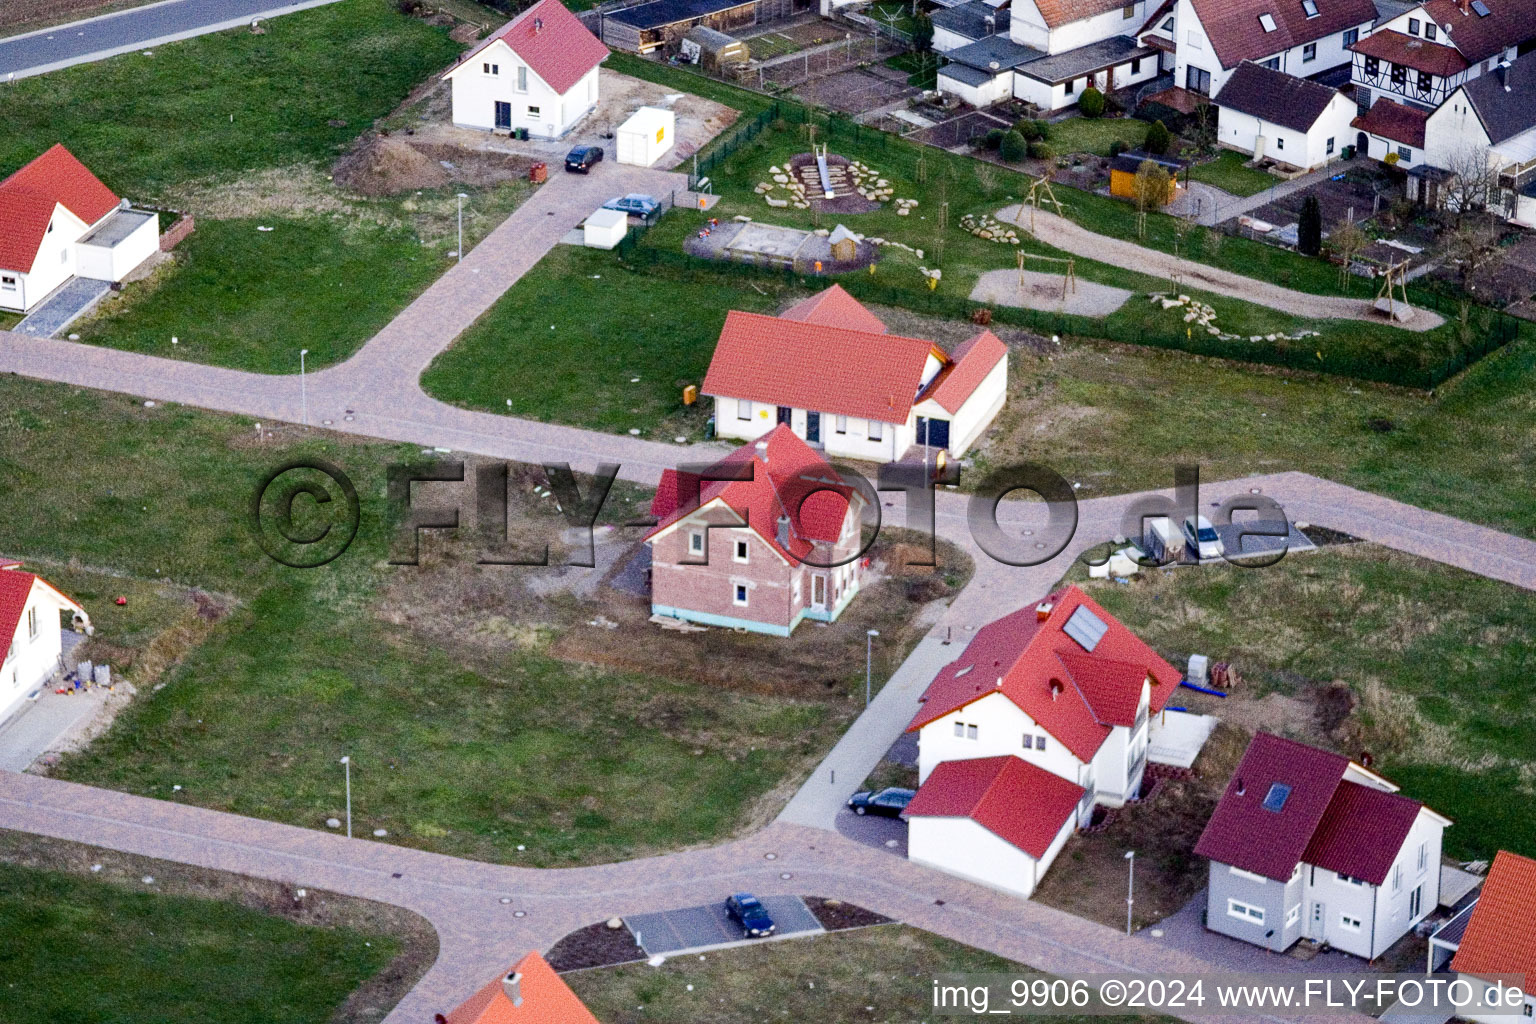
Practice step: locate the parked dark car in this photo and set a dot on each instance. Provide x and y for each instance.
(888, 802)
(747, 911)
(582, 158)
(635, 203)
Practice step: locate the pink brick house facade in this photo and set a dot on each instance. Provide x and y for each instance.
(759, 554)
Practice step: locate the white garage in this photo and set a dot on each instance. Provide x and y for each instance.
(605, 229)
(646, 136)
(117, 245)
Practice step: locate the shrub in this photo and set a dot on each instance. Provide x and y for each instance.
(1091, 103)
(994, 138)
(922, 34)
(1116, 148)
(1041, 151)
(1014, 148)
(1032, 130)
(1158, 138)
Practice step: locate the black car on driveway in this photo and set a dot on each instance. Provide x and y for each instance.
(889, 802)
(747, 911)
(581, 159)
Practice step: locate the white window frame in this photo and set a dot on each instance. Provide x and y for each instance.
(1040, 742)
(1245, 911)
(522, 78)
(959, 730)
(32, 625)
(1029, 741)
(876, 430)
(743, 409)
(840, 425)
(696, 542)
(740, 594)
(1350, 924)
(1309, 53)
(490, 70)
(740, 551)
(1293, 915)
(972, 732)
(1350, 880)
(534, 110)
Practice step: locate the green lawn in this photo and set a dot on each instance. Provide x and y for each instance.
(1227, 173)
(251, 299)
(473, 705)
(1435, 657)
(1094, 135)
(87, 950)
(922, 68)
(230, 102)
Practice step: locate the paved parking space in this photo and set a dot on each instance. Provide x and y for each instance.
(706, 927)
(888, 834)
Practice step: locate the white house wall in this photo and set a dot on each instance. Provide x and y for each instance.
(993, 90)
(53, 265)
(1307, 150)
(944, 40)
(1395, 895)
(854, 443)
(29, 661)
(1193, 47)
(1028, 28)
(1056, 97)
(1453, 132)
(1000, 729)
(961, 847)
(979, 410)
(116, 262)
(475, 95)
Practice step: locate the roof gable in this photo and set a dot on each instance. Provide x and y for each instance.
(1016, 801)
(551, 40)
(1237, 34)
(15, 590)
(1508, 23)
(28, 199)
(1396, 121)
(1075, 695)
(1063, 12)
(1362, 831)
(834, 307)
(546, 999)
(971, 361)
(1274, 96)
(1500, 937)
(788, 479)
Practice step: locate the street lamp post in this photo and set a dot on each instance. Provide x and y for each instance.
(1130, 887)
(462, 196)
(869, 661)
(346, 764)
(303, 385)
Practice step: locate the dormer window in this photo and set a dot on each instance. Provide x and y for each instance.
(1309, 7)
(1266, 22)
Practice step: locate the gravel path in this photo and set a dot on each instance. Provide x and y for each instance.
(1071, 237)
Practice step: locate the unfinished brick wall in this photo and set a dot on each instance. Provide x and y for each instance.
(177, 232)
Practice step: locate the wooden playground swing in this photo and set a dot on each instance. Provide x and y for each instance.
(1068, 277)
(1039, 189)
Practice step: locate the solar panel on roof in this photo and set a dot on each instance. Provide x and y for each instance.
(1481, 8)
(1086, 628)
(1275, 799)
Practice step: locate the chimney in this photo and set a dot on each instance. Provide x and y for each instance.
(512, 985)
(1465, 6)
(538, 25)
(762, 450)
(1055, 688)
(783, 534)
(1504, 74)
(1043, 611)
(1240, 789)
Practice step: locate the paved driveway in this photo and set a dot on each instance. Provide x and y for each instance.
(93, 39)
(696, 929)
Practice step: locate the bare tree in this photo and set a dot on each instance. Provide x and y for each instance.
(1473, 182)
(1347, 241)
(1474, 245)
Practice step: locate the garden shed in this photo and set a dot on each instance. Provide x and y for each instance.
(844, 245)
(646, 136)
(605, 229)
(713, 50)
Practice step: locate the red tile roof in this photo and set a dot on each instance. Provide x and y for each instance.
(1395, 121)
(1243, 834)
(973, 360)
(15, 588)
(1412, 52)
(1362, 831)
(546, 999)
(1237, 35)
(1022, 656)
(1064, 12)
(787, 475)
(1006, 795)
(1326, 820)
(27, 201)
(834, 307)
(1501, 936)
(556, 45)
(816, 366)
(1508, 24)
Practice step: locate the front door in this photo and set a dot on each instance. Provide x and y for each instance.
(503, 114)
(1316, 928)
(813, 427)
(1362, 144)
(785, 412)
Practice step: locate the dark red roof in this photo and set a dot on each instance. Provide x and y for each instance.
(1237, 35)
(1508, 24)
(1501, 936)
(810, 365)
(787, 475)
(1395, 121)
(1021, 656)
(1412, 52)
(834, 307)
(1274, 96)
(1362, 831)
(1006, 795)
(554, 42)
(973, 359)
(27, 201)
(1243, 834)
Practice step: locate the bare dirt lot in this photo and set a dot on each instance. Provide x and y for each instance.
(858, 90)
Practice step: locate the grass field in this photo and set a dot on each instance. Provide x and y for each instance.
(474, 705)
(301, 91)
(883, 974)
(92, 950)
(1227, 173)
(1094, 135)
(1433, 657)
